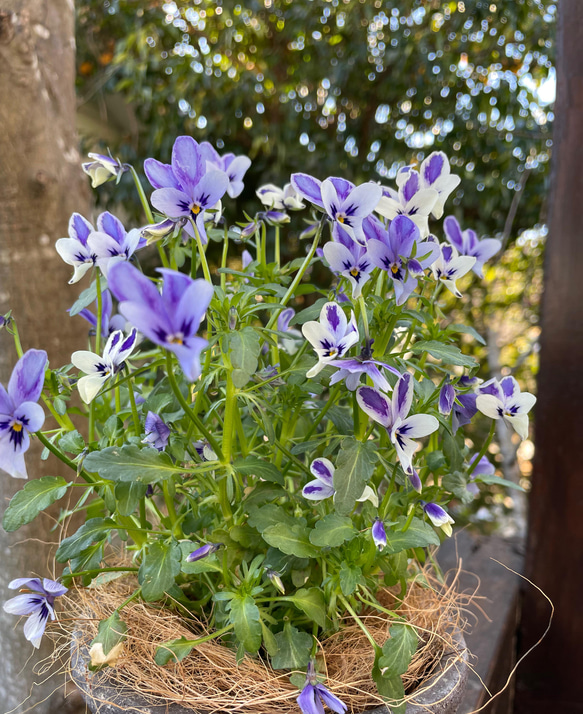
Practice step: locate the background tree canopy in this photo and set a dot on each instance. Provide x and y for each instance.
(350, 87)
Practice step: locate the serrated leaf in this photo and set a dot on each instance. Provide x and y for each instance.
(349, 577)
(128, 495)
(354, 467)
(244, 615)
(93, 531)
(269, 515)
(110, 632)
(130, 463)
(254, 466)
(398, 649)
(293, 648)
(448, 354)
(72, 442)
(244, 351)
(292, 540)
(159, 569)
(311, 601)
(175, 650)
(332, 531)
(390, 688)
(435, 460)
(418, 535)
(36, 495)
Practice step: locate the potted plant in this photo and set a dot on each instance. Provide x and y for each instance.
(266, 459)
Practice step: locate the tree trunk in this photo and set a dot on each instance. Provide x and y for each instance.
(40, 186)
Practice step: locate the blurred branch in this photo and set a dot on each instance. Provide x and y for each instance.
(513, 210)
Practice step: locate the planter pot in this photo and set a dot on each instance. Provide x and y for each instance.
(442, 693)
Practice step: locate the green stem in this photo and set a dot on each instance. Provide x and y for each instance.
(59, 454)
(99, 312)
(169, 501)
(359, 622)
(409, 519)
(364, 317)
(135, 415)
(206, 638)
(483, 450)
(230, 406)
(14, 332)
(133, 596)
(263, 244)
(224, 258)
(82, 573)
(277, 248)
(142, 195)
(329, 404)
(202, 254)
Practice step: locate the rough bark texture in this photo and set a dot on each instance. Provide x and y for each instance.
(40, 186)
(549, 680)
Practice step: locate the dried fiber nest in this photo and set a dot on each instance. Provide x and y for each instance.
(210, 680)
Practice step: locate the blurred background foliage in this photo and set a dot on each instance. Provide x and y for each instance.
(356, 88)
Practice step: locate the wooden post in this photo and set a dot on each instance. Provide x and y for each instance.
(549, 680)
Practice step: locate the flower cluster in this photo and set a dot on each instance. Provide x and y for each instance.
(264, 442)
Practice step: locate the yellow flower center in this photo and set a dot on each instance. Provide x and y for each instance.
(355, 272)
(16, 426)
(394, 268)
(340, 218)
(195, 209)
(175, 340)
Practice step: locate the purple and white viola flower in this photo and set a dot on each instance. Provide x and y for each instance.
(37, 602)
(415, 481)
(351, 370)
(234, 166)
(379, 534)
(467, 243)
(204, 451)
(170, 319)
(323, 485)
(331, 337)
(280, 199)
(98, 369)
(314, 695)
(450, 267)
(393, 250)
(203, 552)
(393, 415)
(439, 517)
(446, 399)
(157, 431)
(109, 323)
(102, 168)
(75, 250)
(111, 243)
(410, 200)
(19, 412)
(483, 468)
(162, 229)
(350, 260)
(504, 400)
(435, 173)
(185, 188)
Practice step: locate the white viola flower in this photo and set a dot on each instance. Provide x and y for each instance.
(280, 199)
(450, 267)
(323, 485)
(99, 369)
(468, 243)
(331, 337)
(352, 261)
(111, 243)
(393, 415)
(435, 174)
(102, 168)
(504, 400)
(410, 200)
(75, 250)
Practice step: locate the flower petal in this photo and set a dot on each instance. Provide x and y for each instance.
(402, 396)
(323, 469)
(28, 377)
(171, 202)
(490, 405)
(316, 490)
(375, 404)
(308, 187)
(188, 162)
(160, 175)
(31, 414)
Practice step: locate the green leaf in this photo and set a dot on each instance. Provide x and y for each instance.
(128, 495)
(468, 330)
(159, 569)
(418, 535)
(452, 451)
(110, 632)
(269, 641)
(332, 530)
(448, 354)
(496, 481)
(244, 350)
(292, 540)
(398, 649)
(130, 463)
(311, 601)
(94, 531)
(72, 442)
(36, 495)
(435, 460)
(349, 577)
(293, 648)
(209, 564)
(269, 515)
(254, 466)
(176, 650)
(309, 313)
(245, 617)
(390, 688)
(88, 296)
(354, 467)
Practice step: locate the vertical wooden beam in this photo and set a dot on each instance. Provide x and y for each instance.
(550, 678)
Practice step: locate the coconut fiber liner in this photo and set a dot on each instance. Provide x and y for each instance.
(209, 678)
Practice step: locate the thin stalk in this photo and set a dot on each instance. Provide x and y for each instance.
(202, 254)
(277, 248)
(322, 414)
(206, 638)
(483, 450)
(409, 519)
(82, 573)
(230, 407)
(359, 622)
(59, 454)
(135, 415)
(364, 317)
(224, 258)
(127, 601)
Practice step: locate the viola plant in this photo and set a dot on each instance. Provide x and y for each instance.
(272, 452)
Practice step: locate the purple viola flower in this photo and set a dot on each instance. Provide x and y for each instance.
(446, 399)
(203, 551)
(503, 400)
(37, 602)
(467, 243)
(379, 534)
(74, 250)
(415, 481)
(435, 173)
(111, 243)
(109, 323)
(323, 485)
(393, 251)
(98, 369)
(170, 319)
(157, 432)
(393, 415)
(350, 260)
(102, 168)
(185, 188)
(331, 337)
(234, 166)
(410, 200)
(19, 412)
(439, 517)
(483, 468)
(450, 267)
(464, 410)
(280, 199)
(352, 368)
(314, 695)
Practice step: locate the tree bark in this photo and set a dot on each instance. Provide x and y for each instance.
(40, 186)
